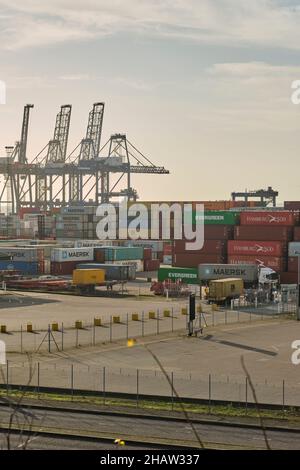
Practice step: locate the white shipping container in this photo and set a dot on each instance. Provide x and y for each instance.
(138, 263)
(60, 255)
(294, 248)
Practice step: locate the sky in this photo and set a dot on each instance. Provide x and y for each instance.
(200, 87)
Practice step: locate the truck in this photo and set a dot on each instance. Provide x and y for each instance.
(250, 273)
(222, 291)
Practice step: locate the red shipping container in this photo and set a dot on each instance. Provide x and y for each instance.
(256, 248)
(260, 232)
(147, 253)
(64, 268)
(218, 232)
(288, 278)
(273, 218)
(292, 205)
(189, 260)
(210, 246)
(296, 234)
(293, 264)
(99, 255)
(278, 264)
(151, 264)
(167, 249)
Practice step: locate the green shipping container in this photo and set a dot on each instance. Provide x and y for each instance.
(187, 275)
(217, 217)
(119, 253)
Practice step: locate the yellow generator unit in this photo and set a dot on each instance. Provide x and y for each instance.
(85, 277)
(223, 290)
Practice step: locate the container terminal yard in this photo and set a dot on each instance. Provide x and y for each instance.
(112, 327)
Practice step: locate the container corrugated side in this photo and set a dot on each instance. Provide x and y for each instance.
(254, 247)
(247, 272)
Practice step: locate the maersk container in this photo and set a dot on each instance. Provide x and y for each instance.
(72, 254)
(247, 272)
(186, 275)
(21, 266)
(113, 272)
(21, 254)
(216, 217)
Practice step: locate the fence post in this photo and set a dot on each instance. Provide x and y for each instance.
(104, 384)
(62, 336)
(38, 377)
(94, 334)
(209, 391)
(172, 388)
(137, 388)
(172, 321)
(7, 379)
(21, 339)
(110, 329)
(72, 380)
(127, 335)
(157, 322)
(143, 326)
(77, 337)
(49, 339)
(246, 393)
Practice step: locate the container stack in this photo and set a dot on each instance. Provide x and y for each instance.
(23, 260)
(65, 260)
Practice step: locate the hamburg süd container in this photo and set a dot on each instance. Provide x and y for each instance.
(263, 233)
(273, 262)
(256, 248)
(269, 218)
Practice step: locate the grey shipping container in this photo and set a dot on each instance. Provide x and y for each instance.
(113, 272)
(247, 272)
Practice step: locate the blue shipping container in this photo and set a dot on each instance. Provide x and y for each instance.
(22, 266)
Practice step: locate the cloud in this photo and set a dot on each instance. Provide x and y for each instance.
(268, 23)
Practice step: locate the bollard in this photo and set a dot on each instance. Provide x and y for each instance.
(152, 316)
(78, 325)
(29, 328)
(184, 311)
(214, 307)
(3, 328)
(54, 326)
(199, 308)
(135, 317)
(116, 319)
(167, 313)
(97, 321)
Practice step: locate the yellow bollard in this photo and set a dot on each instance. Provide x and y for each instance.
(214, 307)
(29, 328)
(199, 308)
(166, 313)
(184, 311)
(116, 319)
(97, 321)
(54, 326)
(135, 317)
(78, 325)
(151, 315)
(3, 328)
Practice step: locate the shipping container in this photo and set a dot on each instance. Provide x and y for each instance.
(63, 268)
(193, 260)
(223, 290)
(60, 255)
(262, 233)
(296, 236)
(167, 259)
(273, 218)
(21, 254)
(273, 262)
(210, 246)
(288, 278)
(294, 248)
(187, 275)
(292, 205)
(151, 264)
(113, 272)
(118, 253)
(216, 217)
(147, 253)
(293, 264)
(24, 267)
(261, 248)
(88, 276)
(247, 272)
(218, 232)
(137, 263)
